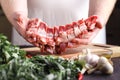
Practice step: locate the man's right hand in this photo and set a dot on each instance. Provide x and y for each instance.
(22, 23)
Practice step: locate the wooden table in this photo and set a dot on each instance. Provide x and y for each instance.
(114, 76)
(97, 76)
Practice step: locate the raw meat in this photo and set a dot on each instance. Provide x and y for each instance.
(57, 39)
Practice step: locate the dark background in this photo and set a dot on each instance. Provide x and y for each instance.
(113, 26)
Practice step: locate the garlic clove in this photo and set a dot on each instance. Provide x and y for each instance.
(105, 66)
(94, 60)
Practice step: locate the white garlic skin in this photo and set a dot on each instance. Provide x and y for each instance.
(92, 59)
(104, 66)
(107, 69)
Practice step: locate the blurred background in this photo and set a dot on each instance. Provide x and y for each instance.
(112, 27)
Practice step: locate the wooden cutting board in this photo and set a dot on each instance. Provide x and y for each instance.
(99, 49)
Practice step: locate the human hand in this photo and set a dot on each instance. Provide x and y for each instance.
(88, 37)
(22, 22)
(22, 25)
(32, 30)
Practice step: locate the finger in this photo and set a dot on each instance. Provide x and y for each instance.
(22, 21)
(86, 38)
(21, 24)
(98, 24)
(79, 41)
(93, 34)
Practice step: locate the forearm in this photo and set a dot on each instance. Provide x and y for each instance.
(10, 7)
(102, 8)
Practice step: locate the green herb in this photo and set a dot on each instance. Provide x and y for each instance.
(9, 51)
(14, 65)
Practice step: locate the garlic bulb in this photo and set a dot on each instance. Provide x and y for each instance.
(91, 59)
(103, 65)
(95, 62)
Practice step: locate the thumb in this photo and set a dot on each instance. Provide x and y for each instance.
(22, 23)
(98, 24)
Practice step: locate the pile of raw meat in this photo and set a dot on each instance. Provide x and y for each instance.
(56, 39)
